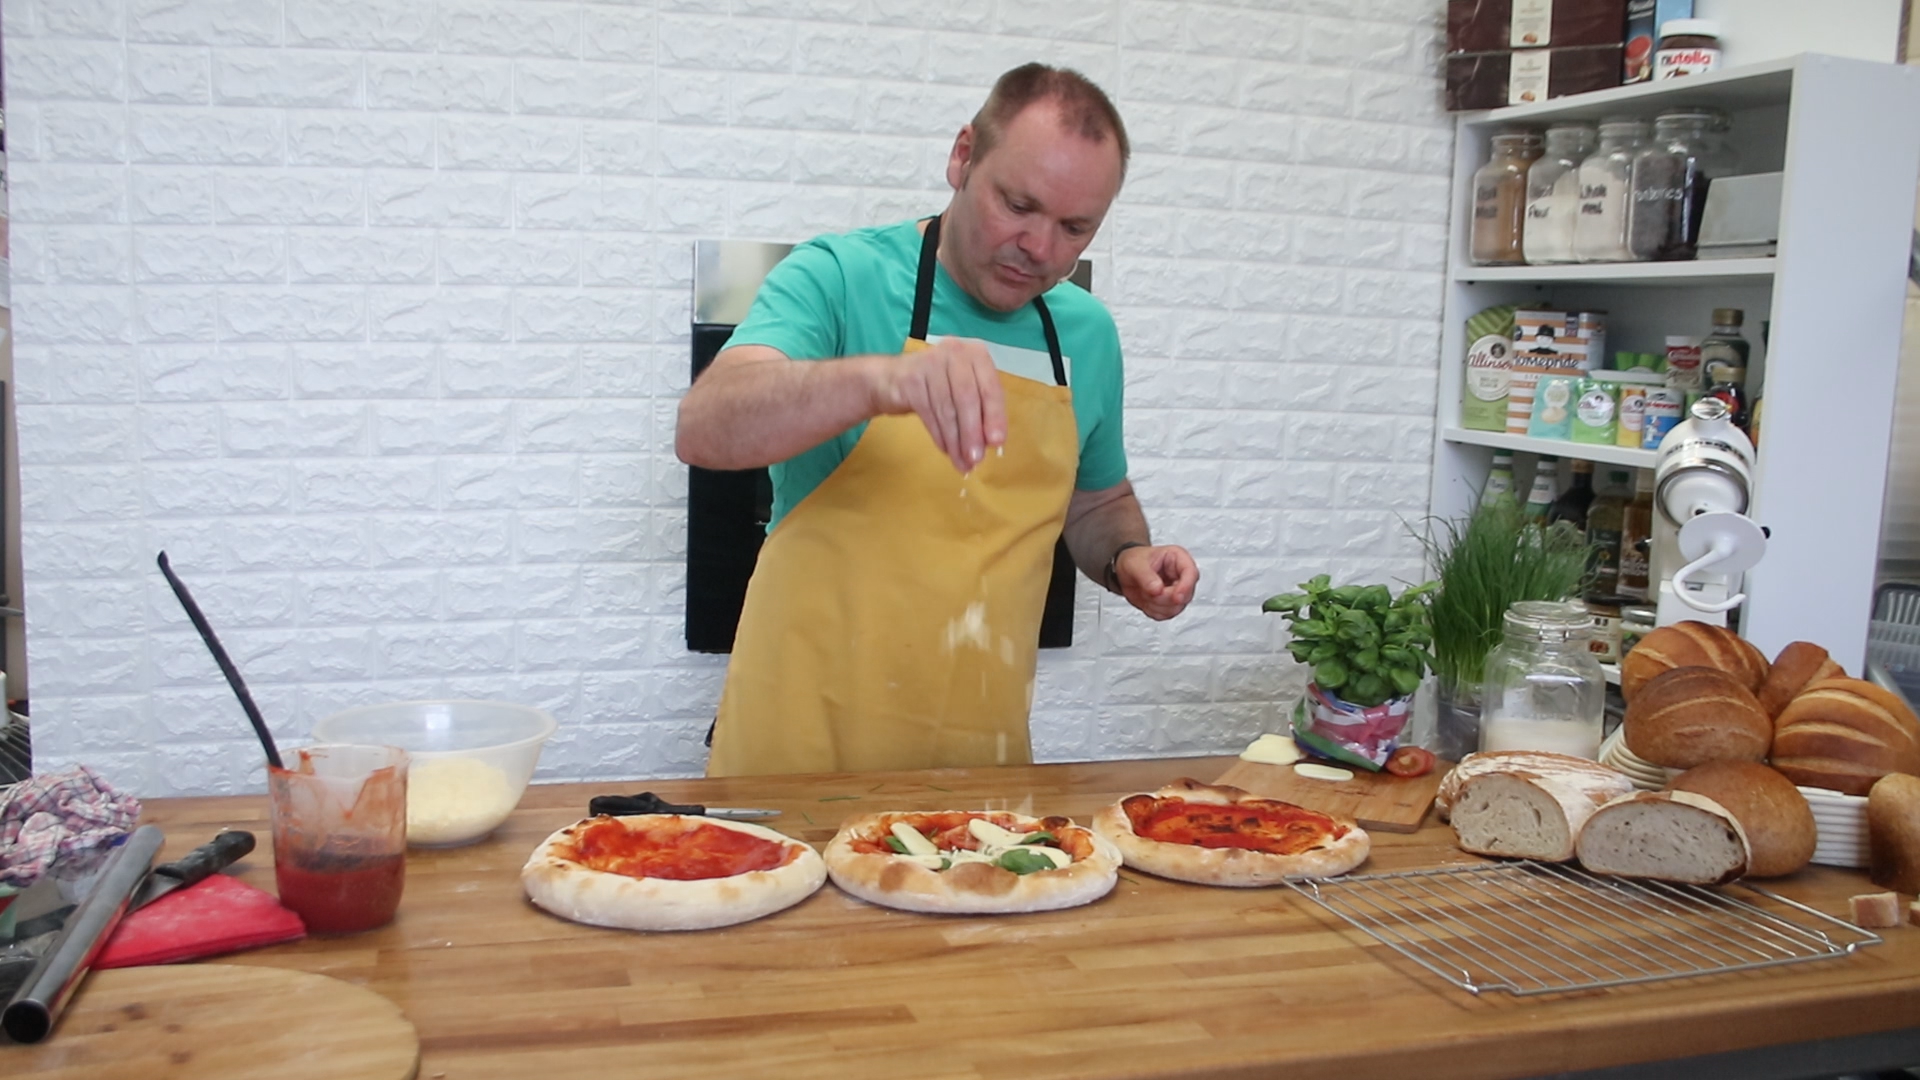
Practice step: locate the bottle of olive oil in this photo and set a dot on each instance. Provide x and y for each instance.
(1576, 502)
(1636, 534)
(1604, 519)
(1499, 479)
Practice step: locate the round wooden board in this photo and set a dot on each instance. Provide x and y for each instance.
(214, 1021)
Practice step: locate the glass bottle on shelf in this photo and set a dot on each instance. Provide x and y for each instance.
(1636, 537)
(1606, 183)
(1546, 487)
(1499, 485)
(1544, 689)
(1500, 199)
(1670, 179)
(1573, 503)
(1604, 519)
(1723, 362)
(1553, 194)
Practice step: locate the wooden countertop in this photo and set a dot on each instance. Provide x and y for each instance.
(1157, 979)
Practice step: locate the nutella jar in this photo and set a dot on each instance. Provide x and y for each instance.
(1687, 47)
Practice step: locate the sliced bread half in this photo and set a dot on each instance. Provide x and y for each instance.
(1666, 835)
(1526, 815)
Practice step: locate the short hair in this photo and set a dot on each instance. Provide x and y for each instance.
(1085, 109)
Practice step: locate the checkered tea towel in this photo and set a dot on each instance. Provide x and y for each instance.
(45, 817)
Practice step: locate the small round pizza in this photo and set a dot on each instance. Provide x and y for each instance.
(669, 872)
(1217, 835)
(971, 862)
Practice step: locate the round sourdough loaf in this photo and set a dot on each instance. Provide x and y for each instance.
(1778, 822)
(1691, 644)
(1693, 715)
(1844, 734)
(1799, 664)
(1893, 833)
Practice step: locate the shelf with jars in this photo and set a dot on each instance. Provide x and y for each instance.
(1813, 292)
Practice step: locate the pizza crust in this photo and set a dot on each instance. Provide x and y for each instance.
(1238, 867)
(598, 898)
(970, 888)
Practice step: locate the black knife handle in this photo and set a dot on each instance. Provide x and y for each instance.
(209, 858)
(644, 803)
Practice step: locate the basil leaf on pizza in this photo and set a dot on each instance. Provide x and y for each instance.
(669, 872)
(971, 862)
(1218, 835)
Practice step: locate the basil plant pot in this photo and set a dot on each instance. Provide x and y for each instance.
(1456, 720)
(1328, 726)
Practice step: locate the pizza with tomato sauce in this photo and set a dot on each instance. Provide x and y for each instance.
(1217, 835)
(970, 862)
(669, 872)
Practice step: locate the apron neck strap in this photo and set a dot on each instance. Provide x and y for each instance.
(923, 301)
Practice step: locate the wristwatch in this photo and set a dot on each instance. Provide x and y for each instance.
(1113, 564)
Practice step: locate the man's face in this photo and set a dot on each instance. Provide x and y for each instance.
(1021, 215)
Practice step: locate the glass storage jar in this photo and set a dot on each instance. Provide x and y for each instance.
(1500, 199)
(1553, 194)
(1670, 178)
(1606, 182)
(1544, 689)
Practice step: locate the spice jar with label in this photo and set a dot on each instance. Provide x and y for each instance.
(1687, 47)
(1553, 194)
(1606, 182)
(1670, 179)
(1544, 689)
(1500, 199)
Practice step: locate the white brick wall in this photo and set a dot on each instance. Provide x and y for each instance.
(374, 314)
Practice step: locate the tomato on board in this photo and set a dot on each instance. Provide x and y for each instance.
(1410, 761)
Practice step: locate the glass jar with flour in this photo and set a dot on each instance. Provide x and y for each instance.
(1544, 689)
(1553, 194)
(1606, 191)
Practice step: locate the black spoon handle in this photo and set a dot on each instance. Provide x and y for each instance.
(226, 665)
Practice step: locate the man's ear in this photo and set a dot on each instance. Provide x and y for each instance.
(959, 158)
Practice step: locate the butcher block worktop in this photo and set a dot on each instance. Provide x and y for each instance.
(1157, 979)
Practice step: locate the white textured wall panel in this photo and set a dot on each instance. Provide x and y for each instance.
(373, 314)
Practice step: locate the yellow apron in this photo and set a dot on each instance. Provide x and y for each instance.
(893, 619)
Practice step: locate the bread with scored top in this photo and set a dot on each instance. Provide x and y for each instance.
(1844, 734)
(1689, 716)
(1691, 644)
(1800, 664)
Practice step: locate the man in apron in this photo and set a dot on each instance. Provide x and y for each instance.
(937, 406)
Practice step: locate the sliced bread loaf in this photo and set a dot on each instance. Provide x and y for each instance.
(1584, 773)
(1776, 818)
(1665, 835)
(1529, 815)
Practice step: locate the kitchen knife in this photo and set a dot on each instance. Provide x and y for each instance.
(648, 803)
(200, 863)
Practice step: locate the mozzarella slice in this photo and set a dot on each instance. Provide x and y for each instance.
(1272, 750)
(915, 843)
(1321, 772)
(991, 835)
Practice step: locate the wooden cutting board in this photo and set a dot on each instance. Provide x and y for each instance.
(220, 1021)
(1378, 801)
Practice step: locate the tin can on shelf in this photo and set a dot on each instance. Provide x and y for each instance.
(1605, 642)
(1636, 622)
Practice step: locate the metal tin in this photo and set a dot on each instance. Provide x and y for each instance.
(1606, 628)
(1636, 622)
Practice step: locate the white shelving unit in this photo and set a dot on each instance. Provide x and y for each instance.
(1843, 132)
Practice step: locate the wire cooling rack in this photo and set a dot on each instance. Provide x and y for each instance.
(1540, 928)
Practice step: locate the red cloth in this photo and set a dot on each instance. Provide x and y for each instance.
(218, 915)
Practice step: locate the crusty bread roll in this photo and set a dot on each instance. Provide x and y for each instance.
(1666, 835)
(1689, 716)
(1529, 815)
(1775, 816)
(1893, 833)
(1800, 663)
(1584, 773)
(1691, 644)
(1844, 734)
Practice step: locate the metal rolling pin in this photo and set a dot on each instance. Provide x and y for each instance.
(30, 1015)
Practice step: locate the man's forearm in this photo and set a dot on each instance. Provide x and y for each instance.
(1098, 523)
(752, 410)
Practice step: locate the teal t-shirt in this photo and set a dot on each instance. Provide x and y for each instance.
(850, 294)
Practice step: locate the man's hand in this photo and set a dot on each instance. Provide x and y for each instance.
(954, 388)
(1157, 580)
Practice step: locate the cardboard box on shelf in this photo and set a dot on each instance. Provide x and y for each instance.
(1644, 19)
(1522, 77)
(1497, 25)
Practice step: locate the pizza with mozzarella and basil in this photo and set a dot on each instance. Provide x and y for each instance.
(971, 862)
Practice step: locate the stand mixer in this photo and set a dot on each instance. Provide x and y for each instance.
(1703, 540)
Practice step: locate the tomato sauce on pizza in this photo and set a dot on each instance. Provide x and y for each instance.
(1270, 826)
(673, 849)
